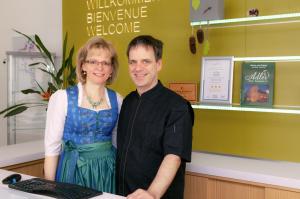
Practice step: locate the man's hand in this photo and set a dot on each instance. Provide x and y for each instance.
(162, 180)
(140, 194)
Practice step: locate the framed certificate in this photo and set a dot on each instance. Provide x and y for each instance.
(216, 80)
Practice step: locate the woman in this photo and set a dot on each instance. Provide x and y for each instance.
(82, 120)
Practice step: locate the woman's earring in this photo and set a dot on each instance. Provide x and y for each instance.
(84, 72)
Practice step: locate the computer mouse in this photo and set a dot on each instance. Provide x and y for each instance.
(13, 178)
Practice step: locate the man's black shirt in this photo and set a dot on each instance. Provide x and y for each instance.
(151, 126)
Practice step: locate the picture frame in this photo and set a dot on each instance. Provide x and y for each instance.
(216, 80)
(187, 90)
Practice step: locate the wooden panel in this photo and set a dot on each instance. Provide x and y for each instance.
(203, 186)
(211, 189)
(257, 184)
(218, 189)
(33, 168)
(195, 187)
(271, 193)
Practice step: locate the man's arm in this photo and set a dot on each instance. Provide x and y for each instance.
(162, 180)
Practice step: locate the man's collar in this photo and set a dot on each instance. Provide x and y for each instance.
(153, 92)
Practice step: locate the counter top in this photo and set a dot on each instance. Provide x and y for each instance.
(279, 173)
(6, 192)
(19, 153)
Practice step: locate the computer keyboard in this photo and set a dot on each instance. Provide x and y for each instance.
(55, 189)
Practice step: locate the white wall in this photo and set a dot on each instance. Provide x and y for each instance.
(42, 17)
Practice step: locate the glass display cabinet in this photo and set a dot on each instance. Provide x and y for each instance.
(28, 125)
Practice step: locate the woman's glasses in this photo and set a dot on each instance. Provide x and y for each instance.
(98, 63)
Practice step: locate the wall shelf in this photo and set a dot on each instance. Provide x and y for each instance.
(251, 20)
(287, 110)
(245, 21)
(269, 59)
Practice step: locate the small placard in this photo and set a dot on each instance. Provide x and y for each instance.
(186, 90)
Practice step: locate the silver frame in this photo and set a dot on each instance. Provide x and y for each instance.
(230, 66)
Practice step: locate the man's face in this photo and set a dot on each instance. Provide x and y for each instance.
(143, 68)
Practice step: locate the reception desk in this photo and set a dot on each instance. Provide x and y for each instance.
(257, 172)
(27, 158)
(211, 176)
(277, 173)
(20, 153)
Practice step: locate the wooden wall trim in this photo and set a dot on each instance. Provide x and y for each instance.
(242, 181)
(25, 164)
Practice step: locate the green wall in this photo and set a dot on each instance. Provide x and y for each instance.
(166, 20)
(262, 135)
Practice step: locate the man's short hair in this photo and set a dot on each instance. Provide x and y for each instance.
(148, 41)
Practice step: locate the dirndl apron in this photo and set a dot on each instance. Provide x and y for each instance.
(88, 157)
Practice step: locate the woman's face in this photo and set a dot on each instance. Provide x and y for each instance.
(97, 66)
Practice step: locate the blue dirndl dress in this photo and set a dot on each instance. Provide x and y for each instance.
(88, 157)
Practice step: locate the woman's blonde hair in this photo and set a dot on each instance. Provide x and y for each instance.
(96, 42)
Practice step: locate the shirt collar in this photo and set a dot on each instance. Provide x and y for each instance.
(153, 92)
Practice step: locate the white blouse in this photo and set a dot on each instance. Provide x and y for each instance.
(56, 115)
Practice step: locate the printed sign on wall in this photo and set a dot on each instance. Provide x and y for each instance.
(115, 17)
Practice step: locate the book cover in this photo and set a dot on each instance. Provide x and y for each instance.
(257, 85)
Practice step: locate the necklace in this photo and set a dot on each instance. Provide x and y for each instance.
(94, 104)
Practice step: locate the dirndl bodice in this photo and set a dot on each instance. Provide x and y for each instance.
(88, 157)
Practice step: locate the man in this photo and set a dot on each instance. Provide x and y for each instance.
(154, 130)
